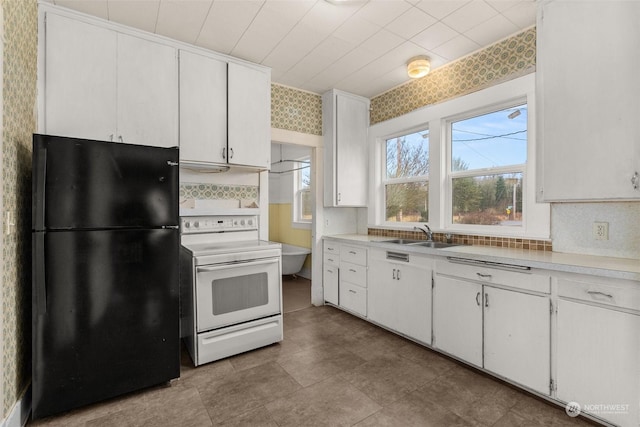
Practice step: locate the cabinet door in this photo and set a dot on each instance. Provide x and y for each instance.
(330, 284)
(147, 92)
(517, 337)
(414, 302)
(352, 121)
(599, 360)
(203, 108)
(588, 126)
(249, 116)
(383, 287)
(80, 79)
(457, 318)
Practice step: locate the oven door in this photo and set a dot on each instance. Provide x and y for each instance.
(237, 292)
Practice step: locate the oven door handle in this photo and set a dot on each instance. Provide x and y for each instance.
(225, 266)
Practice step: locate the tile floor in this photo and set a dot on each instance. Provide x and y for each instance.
(332, 369)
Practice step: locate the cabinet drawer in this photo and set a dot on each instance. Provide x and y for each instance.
(331, 260)
(353, 298)
(331, 248)
(497, 276)
(621, 294)
(353, 273)
(354, 254)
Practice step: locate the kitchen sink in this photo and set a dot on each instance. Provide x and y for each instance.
(404, 241)
(431, 244)
(423, 243)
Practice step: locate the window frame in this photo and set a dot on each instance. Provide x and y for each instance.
(536, 225)
(296, 206)
(403, 180)
(499, 170)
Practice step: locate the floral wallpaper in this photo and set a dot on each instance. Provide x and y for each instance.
(296, 110)
(19, 97)
(507, 59)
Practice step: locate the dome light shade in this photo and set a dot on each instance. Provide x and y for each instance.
(418, 66)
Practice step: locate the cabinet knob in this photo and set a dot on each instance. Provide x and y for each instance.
(635, 181)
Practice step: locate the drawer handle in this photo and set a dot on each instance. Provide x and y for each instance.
(352, 270)
(477, 300)
(594, 293)
(330, 271)
(352, 291)
(484, 276)
(486, 300)
(330, 259)
(352, 252)
(398, 275)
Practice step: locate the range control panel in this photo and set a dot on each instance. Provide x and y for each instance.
(218, 224)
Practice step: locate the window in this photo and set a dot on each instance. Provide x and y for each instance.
(406, 181)
(487, 166)
(476, 170)
(302, 209)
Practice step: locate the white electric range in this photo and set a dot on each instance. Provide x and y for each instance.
(231, 287)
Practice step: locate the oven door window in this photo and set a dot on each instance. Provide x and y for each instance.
(228, 294)
(239, 293)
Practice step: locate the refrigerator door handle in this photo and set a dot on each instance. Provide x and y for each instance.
(40, 183)
(39, 273)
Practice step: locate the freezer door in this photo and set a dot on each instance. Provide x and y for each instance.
(105, 315)
(84, 184)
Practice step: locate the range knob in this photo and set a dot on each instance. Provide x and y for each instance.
(242, 222)
(187, 224)
(250, 221)
(196, 224)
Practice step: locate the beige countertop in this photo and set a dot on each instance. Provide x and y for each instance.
(620, 268)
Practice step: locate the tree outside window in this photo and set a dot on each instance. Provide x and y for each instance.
(406, 180)
(488, 159)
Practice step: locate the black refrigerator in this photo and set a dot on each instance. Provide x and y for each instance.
(105, 270)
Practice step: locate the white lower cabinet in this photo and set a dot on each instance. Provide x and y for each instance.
(503, 330)
(457, 318)
(598, 352)
(517, 337)
(400, 293)
(353, 298)
(330, 272)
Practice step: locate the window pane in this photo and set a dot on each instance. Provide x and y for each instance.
(407, 202)
(490, 140)
(305, 205)
(305, 175)
(408, 155)
(488, 200)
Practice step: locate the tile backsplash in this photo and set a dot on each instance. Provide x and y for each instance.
(241, 196)
(466, 239)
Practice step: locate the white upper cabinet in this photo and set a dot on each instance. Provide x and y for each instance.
(225, 112)
(105, 85)
(147, 93)
(249, 116)
(203, 108)
(588, 99)
(80, 79)
(345, 125)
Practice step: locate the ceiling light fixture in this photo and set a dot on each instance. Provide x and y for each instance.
(418, 66)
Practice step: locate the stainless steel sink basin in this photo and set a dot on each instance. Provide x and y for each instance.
(403, 241)
(435, 245)
(423, 243)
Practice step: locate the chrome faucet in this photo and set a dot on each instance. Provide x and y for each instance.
(427, 231)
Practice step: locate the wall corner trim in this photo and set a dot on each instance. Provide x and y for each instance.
(20, 412)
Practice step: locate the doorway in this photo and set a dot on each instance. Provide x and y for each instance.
(291, 219)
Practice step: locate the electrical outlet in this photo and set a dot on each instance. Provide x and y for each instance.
(601, 230)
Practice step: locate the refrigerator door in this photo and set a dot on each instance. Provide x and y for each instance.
(105, 315)
(84, 184)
